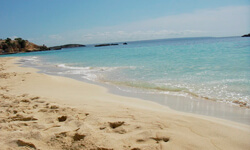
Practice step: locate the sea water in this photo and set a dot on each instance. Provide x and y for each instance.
(208, 68)
(216, 69)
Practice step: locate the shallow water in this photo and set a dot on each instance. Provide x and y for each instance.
(210, 68)
(185, 70)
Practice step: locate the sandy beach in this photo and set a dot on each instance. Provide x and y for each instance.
(40, 111)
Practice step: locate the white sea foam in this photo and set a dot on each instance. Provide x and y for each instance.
(30, 60)
(218, 92)
(33, 58)
(89, 73)
(70, 67)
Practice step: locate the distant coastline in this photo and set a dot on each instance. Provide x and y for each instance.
(19, 45)
(66, 46)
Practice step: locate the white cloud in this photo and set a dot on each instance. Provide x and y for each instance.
(55, 37)
(227, 21)
(13, 37)
(218, 22)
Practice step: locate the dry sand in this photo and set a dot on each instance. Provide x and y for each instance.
(39, 111)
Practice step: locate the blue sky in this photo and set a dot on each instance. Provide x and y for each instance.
(54, 22)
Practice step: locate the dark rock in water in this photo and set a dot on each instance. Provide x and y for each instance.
(66, 46)
(100, 45)
(115, 44)
(125, 43)
(246, 35)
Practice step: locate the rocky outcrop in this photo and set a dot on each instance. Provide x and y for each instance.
(100, 45)
(19, 45)
(66, 46)
(246, 35)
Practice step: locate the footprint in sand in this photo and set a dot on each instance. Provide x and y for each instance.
(159, 139)
(34, 98)
(78, 137)
(136, 148)
(27, 144)
(22, 118)
(62, 118)
(114, 125)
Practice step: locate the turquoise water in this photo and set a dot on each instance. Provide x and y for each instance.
(208, 68)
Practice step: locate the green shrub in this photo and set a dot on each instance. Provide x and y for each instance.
(21, 42)
(7, 41)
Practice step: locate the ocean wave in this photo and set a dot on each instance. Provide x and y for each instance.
(146, 85)
(95, 68)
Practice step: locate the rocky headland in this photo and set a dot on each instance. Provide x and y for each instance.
(19, 45)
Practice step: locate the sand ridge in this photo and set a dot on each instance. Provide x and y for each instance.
(39, 111)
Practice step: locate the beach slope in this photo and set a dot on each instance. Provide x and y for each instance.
(39, 111)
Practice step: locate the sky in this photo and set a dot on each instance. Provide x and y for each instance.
(56, 22)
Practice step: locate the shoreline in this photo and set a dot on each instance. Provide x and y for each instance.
(193, 105)
(98, 119)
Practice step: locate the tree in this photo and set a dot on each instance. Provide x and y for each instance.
(7, 41)
(21, 42)
(5, 47)
(18, 39)
(44, 47)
